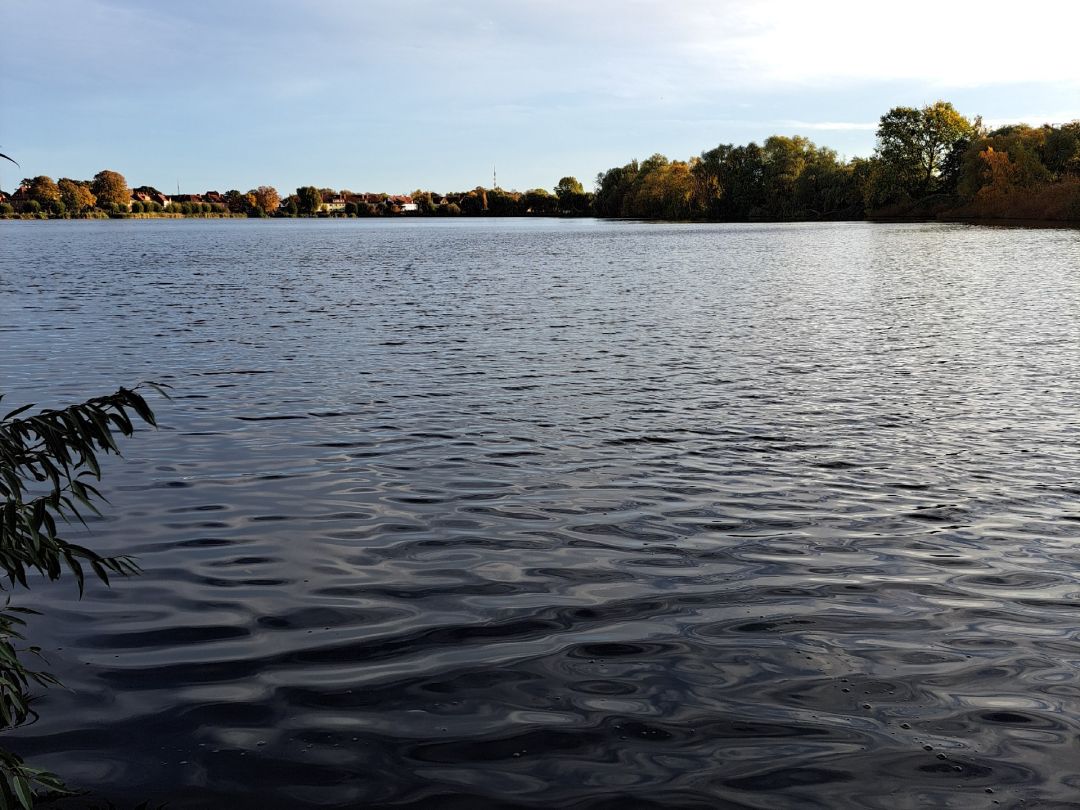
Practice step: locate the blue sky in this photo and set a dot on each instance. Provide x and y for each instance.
(373, 95)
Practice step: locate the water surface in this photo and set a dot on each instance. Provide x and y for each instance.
(566, 513)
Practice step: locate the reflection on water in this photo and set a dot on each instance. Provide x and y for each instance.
(566, 514)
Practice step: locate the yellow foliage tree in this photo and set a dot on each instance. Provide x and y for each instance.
(111, 188)
(267, 198)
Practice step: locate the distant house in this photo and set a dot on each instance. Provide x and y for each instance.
(213, 197)
(404, 203)
(336, 203)
(145, 194)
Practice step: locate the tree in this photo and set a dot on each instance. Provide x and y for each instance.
(425, 201)
(568, 185)
(572, 196)
(266, 198)
(75, 195)
(46, 464)
(308, 199)
(1061, 150)
(111, 189)
(1007, 159)
(503, 203)
(42, 189)
(474, 203)
(236, 202)
(913, 148)
(612, 189)
(662, 190)
(540, 201)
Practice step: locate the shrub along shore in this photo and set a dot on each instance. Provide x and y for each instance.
(929, 163)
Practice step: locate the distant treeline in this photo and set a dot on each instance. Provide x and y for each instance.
(929, 163)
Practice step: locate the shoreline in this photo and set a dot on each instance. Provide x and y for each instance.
(1013, 222)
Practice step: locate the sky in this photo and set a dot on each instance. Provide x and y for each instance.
(373, 95)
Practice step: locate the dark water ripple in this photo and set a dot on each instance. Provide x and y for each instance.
(572, 514)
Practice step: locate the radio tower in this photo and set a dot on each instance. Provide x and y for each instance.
(494, 177)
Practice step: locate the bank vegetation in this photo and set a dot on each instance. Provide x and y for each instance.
(929, 163)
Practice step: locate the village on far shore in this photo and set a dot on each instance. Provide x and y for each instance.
(930, 163)
(108, 196)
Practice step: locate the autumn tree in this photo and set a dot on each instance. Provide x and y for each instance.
(42, 189)
(1018, 147)
(663, 189)
(111, 189)
(266, 198)
(75, 195)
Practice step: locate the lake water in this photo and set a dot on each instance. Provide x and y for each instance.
(565, 513)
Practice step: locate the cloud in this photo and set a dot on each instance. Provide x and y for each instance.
(844, 42)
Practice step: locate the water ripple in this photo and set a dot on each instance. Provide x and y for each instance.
(566, 514)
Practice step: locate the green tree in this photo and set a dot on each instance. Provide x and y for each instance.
(308, 200)
(425, 201)
(474, 203)
(572, 196)
(236, 202)
(612, 189)
(1061, 150)
(914, 147)
(540, 201)
(502, 203)
(111, 189)
(568, 185)
(47, 462)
